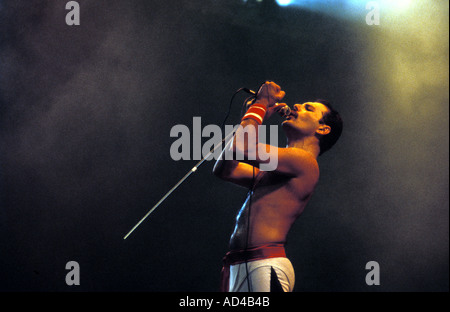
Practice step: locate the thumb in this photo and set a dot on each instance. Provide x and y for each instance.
(278, 106)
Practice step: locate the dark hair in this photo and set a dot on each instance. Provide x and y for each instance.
(334, 120)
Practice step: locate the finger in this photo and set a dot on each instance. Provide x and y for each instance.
(274, 86)
(279, 106)
(281, 95)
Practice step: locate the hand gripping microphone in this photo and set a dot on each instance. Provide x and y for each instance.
(284, 111)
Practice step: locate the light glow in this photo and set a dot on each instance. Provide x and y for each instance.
(284, 2)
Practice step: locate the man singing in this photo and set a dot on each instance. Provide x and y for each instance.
(257, 260)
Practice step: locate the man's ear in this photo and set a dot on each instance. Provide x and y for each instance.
(323, 129)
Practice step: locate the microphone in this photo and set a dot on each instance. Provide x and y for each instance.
(285, 111)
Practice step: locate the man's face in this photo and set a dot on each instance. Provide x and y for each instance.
(306, 117)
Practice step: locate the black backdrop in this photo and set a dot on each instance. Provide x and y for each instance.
(86, 113)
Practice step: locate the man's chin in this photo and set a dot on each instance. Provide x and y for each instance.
(289, 128)
(286, 123)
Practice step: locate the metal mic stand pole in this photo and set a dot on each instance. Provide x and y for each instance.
(179, 182)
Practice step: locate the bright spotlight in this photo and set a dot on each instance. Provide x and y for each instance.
(284, 2)
(402, 4)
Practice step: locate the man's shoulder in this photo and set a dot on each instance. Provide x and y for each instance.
(302, 159)
(301, 154)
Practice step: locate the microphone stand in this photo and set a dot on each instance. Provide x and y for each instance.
(194, 169)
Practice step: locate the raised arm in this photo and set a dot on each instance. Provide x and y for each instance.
(249, 155)
(229, 169)
(248, 149)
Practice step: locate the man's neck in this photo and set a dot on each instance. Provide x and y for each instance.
(309, 144)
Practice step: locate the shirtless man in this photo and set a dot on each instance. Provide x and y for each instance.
(257, 259)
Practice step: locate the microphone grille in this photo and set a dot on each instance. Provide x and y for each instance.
(286, 110)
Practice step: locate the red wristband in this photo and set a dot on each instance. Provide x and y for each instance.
(256, 112)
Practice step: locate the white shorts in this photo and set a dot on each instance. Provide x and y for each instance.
(259, 272)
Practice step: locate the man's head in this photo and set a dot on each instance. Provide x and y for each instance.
(334, 121)
(318, 119)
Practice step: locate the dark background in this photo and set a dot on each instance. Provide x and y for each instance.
(86, 113)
